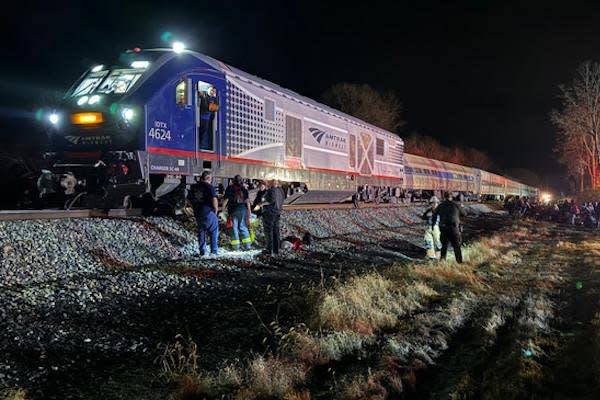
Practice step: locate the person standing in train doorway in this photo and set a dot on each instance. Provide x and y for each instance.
(237, 205)
(449, 214)
(271, 215)
(209, 105)
(203, 197)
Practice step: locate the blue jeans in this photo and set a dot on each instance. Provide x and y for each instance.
(240, 230)
(208, 223)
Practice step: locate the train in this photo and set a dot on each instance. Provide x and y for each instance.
(150, 122)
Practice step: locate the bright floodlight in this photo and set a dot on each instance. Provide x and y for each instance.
(127, 114)
(546, 197)
(97, 68)
(54, 118)
(94, 99)
(178, 47)
(140, 64)
(82, 100)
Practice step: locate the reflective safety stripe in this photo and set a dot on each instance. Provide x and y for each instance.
(235, 242)
(246, 240)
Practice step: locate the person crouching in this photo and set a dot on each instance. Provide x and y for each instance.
(203, 197)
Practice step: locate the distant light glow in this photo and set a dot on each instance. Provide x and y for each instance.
(127, 114)
(546, 197)
(97, 68)
(94, 99)
(82, 100)
(178, 47)
(54, 118)
(140, 64)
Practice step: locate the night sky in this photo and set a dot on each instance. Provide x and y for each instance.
(478, 73)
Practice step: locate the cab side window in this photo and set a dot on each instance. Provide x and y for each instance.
(181, 93)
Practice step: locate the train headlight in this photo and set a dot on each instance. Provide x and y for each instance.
(82, 100)
(97, 68)
(94, 99)
(178, 47)
(127, 114)
(54, 118)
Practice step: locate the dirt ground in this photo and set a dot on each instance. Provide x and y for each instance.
(532, 330)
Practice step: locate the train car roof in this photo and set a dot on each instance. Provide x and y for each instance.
(408, 156)
(270, 86)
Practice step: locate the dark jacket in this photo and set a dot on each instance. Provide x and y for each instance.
(274, 198)
(428, 216)
(449, 214)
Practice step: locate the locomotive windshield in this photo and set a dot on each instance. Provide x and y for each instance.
(119, 81)
(91, 82)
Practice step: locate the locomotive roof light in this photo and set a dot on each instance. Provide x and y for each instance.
(94, 99)
(140, 64)
(97, 68)
(82, 100)
(178, 47)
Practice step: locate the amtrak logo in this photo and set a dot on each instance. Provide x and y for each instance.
(87, 140)
(330, 140)
(317, 134)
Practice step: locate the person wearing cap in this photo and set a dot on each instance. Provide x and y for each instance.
(432, 231)
(237, 205)
(203, 197)
(448, 214)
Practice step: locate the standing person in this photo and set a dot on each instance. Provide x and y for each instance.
(209, 105)
(449, 214)
(259, 200)
(271, 215)
(238, 207)
(432, 232)
(203, 197)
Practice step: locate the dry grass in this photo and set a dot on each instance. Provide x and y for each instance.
(448, 275)
(320, 349)
(179, 359)
(272, 378)
(369, 303)
(359, 387)
(13, 394)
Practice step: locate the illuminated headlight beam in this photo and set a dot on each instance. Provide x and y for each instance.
(54, 118)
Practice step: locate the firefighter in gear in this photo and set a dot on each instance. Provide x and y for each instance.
(432, 231)
(449, 214)
(237, 205)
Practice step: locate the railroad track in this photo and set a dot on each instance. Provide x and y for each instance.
(17, 215)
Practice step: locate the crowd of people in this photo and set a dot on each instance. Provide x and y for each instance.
(565, 211)
(236, 213)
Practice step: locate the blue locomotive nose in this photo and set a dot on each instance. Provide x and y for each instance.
(87, 123)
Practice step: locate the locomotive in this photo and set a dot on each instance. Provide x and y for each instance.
(156, 118)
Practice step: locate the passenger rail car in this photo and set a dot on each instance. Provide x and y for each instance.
(421, 173)
(159, 115)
